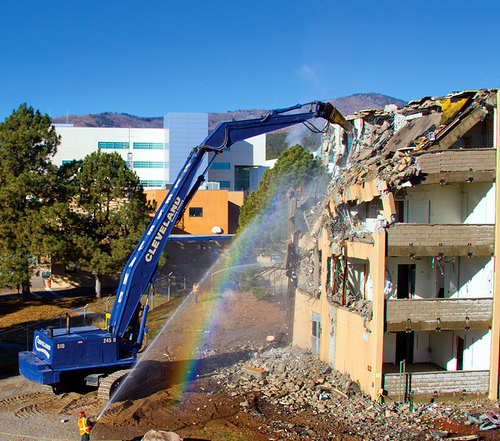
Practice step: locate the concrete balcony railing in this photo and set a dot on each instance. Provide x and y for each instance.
(440, 239)
(445, 314)
(441, 383)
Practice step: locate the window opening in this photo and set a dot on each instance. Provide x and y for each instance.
(195, 212)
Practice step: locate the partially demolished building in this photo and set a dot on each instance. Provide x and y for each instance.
(396, 279)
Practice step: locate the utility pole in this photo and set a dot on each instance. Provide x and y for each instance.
(291, 265)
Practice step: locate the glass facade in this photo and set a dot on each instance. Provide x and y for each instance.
(220, 166)
(225, 184)
(241, 177)
(152, 183)
(112, 145)
(149, 164)
(148, 145)
(185, 131)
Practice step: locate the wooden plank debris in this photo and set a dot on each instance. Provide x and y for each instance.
(254, 372)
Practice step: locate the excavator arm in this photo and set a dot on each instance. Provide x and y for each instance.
(140, 269)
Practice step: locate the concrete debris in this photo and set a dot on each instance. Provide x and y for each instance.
(301, 383)
(464, 438)
(386, 145)
(439, 434)
(254, 372)
(489, 420)
(160, 435)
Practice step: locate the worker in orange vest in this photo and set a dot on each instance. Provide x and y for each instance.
(195, 290)
(84, 425)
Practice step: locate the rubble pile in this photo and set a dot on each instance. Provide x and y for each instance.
(299, 383)
(306, 273)
(354, 303)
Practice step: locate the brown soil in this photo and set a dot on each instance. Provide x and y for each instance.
(177, 390)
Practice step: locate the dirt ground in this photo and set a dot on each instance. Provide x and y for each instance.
(177, 385)
(174, 388)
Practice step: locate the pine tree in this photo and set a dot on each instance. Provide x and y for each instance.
(263, 217)
(109, 214)
(27, 142)
(295, 168)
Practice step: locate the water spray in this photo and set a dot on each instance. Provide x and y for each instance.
(209, 274)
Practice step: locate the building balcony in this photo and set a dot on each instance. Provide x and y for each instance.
(458, 165)
(416, 240)
(437, 314)
(443, 383)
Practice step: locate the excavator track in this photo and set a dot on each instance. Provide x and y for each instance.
(52, 389)
(109, 384)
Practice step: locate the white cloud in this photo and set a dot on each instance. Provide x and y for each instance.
(308, 73)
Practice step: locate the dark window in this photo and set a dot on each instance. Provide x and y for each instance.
(406, 281)
(400, 211)
(195, 212)
(460, 353)
(404, 346)
(241, 177)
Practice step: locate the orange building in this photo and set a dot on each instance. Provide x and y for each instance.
(209, 212)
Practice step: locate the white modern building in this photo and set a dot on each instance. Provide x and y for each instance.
(145, 150)
(157, 155)
(183, 131)
(241, 166)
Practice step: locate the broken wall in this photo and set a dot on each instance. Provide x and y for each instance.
(376, 180)
(304, 307)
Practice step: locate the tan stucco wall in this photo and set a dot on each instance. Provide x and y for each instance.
(353, 354)
(358, 345)
(304, 307)
(371, 381)
(236, 197)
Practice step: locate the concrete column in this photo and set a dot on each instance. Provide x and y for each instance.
(325, 305)
(377, 271)
(495, 324)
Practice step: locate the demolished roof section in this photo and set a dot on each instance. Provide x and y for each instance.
(385, 144)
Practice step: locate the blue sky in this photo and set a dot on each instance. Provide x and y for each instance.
(148, 58)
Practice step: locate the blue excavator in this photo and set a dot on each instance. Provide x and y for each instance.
(94, 356)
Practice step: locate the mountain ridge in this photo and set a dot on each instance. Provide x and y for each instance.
(346, 105)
